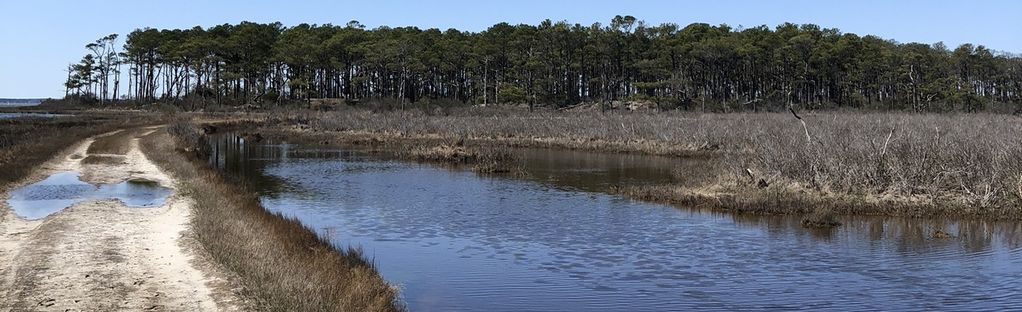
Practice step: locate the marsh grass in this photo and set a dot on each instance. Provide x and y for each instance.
(961, 160)
(501, 161)
(25, 143)
(447, 153)
(657, 134)
(277, 258)
(495, 160)
(874, 163)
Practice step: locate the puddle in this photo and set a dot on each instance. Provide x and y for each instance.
(64, 189)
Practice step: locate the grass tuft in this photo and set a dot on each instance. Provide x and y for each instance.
(494, 160)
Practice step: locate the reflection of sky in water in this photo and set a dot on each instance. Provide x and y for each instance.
(64, 189)
(18, 102)
(455, 241)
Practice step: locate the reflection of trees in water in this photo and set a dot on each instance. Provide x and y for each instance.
(908, 234)
(977, 235)
(594, 171)
(972, 236)
(244, 162)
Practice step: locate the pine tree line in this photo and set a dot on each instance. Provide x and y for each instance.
(698, 66)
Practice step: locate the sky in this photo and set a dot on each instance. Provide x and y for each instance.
(41, 37)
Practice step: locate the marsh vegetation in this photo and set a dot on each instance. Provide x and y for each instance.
(281, 262)
(855, 163)
(28, 142)
(555, 240)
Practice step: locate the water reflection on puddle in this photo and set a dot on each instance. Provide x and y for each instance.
(64, 189)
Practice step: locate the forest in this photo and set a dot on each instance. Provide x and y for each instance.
(552, 64)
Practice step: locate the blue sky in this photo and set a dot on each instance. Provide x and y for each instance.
(40, 37)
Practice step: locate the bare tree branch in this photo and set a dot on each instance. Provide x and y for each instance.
(804, 127)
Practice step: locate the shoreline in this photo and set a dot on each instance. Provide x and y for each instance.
(284, 264)
(723, 194)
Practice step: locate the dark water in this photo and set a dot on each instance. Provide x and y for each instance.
(64, 189)
(455, 241)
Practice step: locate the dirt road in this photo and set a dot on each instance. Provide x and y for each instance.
(102, 255)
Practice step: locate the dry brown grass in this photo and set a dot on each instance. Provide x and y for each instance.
(773, 200)
(448, 153)
(927, 161)
(26, 143)
(966, 160)
(493, 160)
(672, 134)
(277, 258)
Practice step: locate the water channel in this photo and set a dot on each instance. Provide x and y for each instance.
(555, 241)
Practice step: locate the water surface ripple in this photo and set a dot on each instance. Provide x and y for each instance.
(453, 240)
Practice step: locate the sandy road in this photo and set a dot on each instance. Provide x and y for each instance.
(103, 256)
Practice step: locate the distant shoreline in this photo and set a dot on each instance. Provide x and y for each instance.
(20, 102)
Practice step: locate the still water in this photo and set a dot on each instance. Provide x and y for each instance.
(64, 189)
(456, 241)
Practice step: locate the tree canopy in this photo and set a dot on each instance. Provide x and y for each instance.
(698, 66)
